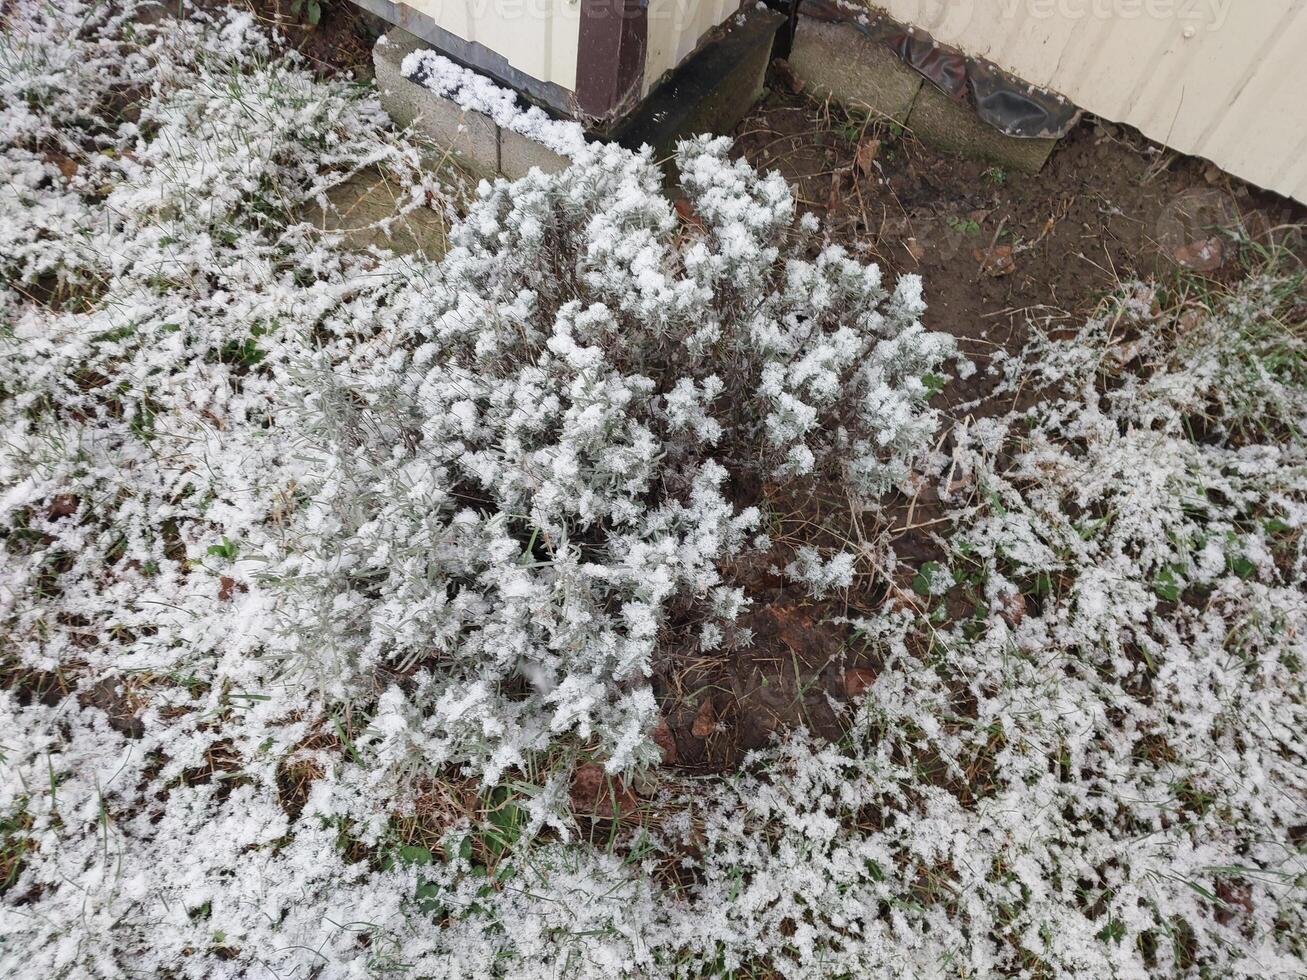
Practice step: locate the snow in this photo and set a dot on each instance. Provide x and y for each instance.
(473, 92)
(322, 569)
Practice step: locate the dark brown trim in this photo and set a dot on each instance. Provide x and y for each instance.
(610, 57)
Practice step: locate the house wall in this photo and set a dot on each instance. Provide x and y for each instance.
(675, 29)
(1221, 79)
(536, 37)
(540, 39)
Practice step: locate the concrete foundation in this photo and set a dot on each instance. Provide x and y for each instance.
(474, 138)
(948, 125)
(840, 62)
(518, 154)
(710, 92)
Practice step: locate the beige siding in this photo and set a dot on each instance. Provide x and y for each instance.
(675, 29)
(538, 37)
(1221, 79)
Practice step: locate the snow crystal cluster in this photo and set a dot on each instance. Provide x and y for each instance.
(281, 521)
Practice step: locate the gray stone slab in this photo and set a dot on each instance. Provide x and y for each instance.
(951, 126)
(518, 154)
(474, 137)
(838, 61)
(366, 210)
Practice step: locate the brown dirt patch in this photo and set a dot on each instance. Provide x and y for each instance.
(997, 248)
(339, 44)
(799, 672)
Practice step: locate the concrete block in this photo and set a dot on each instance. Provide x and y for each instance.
(474, 137)
(948, 125)
(840, 62)
(518, 154)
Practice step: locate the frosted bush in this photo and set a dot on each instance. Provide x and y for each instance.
(818, 574)
(548, 459)
(279, 521)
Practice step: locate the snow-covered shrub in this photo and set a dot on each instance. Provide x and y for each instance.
(818, 574)
(551, 457)
(1099, 773)
(225, 438)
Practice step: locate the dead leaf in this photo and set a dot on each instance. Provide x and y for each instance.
(857, 680)
(867, 153)
(1207, 255)
(1236, 897)
(665, 740)
(996, 260)
(705, 721)
(1123, 354)
(1146, 295)
(787, 76)
(686, 210)
(227, 587)
(63, 505)
(1012, 607)
(915, 249)
(836, 195)
(595, 793)
(67, 165)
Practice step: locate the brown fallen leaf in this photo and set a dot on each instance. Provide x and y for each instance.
(705, 721)
(868, 150)
(1012, 607)
(63, 505)
(1123, 354)
(596, 794)
(1236, 900)
(857, 680)
(228, 586)
(787, 76)
(915, 248)
(1207, 255)
(996, 260)
(665, 740)
(1190, 319)
(686, 210)
(67, 165)
(836, 195)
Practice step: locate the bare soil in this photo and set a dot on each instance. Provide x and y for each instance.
(339, 44)
(998, 248)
